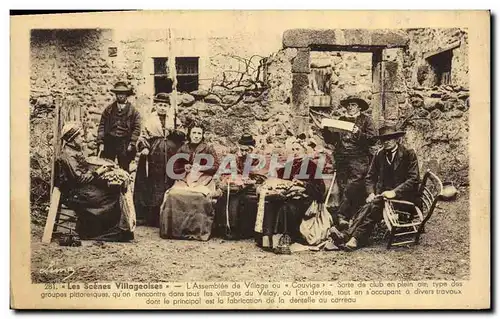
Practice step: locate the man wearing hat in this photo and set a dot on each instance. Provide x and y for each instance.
(246, 145)
(393, 174)
(352, 153)
(119, 128)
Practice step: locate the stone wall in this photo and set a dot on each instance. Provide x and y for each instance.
(404, 90)
(72, 67)
(262, 110)
(75, 66)
(439, 130)
(345, 73)
(425, 42)
(243, 89)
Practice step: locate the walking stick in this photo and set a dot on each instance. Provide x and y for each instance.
(228, 226)
(330, 190)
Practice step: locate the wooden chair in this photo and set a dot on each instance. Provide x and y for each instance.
(404, 220)
(59, 217)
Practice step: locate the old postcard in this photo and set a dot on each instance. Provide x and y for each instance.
(251, 160)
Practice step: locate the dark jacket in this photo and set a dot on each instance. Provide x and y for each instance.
(133, 123)
(405, 174)
(94, 197)
(348, 144)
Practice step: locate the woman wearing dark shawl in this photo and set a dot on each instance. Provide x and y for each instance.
(187, 211)
(94, 201)
(151, 180)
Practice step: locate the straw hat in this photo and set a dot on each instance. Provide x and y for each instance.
(70, 131)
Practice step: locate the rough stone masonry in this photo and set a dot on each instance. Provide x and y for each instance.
(270, 98)
(406, 86)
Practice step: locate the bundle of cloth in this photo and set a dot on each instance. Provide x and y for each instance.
(284, 200)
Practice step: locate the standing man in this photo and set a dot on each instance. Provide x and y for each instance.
(119, 128)
(352, 154)
(393, 174)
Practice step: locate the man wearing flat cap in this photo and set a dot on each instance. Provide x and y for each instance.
(352, 154)
(393, 174)
(119, 128)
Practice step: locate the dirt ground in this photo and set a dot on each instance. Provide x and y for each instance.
(442, 254)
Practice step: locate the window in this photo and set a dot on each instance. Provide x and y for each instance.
(441, 66)
(163, 84)
(187, 74)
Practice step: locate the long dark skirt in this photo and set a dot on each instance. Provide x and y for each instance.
(242, 213)
(98, 212)
(150, 188)
(282, 217)
(186, 214)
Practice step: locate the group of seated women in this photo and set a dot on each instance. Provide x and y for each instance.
(220, 194)
(189, 191)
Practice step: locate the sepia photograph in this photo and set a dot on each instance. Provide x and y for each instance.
(387, 110)
(251, 154)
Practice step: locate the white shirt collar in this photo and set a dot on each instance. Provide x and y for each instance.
(393, 154)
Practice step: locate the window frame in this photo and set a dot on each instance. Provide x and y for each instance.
(183, 74)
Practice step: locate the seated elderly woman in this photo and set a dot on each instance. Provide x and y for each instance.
(187, 211)
(92, 190)
(237, 208)
(285, 199)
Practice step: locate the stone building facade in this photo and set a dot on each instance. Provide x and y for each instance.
(419, 81)
(79, 67)
(441, 136)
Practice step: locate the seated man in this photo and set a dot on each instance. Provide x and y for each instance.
(393, 174)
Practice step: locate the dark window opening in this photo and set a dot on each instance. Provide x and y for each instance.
(160, 66)
(441, 65)
(163, 84)
(187, 75)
